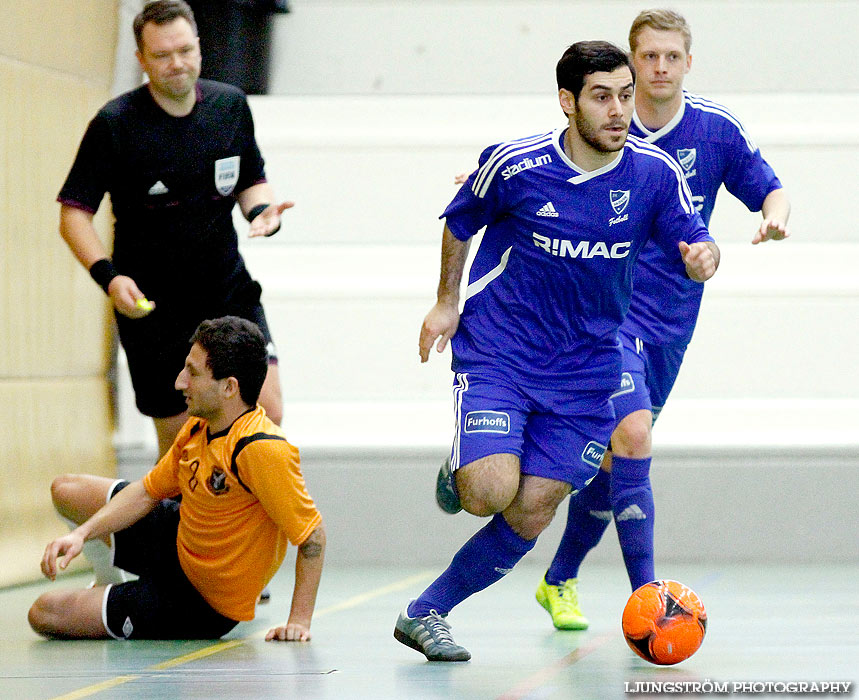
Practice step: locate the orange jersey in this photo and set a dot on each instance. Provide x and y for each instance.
(243, 498)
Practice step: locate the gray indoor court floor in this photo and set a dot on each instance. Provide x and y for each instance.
(767, 624)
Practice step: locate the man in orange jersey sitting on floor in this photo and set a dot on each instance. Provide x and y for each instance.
(202, 563)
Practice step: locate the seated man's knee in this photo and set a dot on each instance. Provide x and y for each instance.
(632, 437)
(63, 490)
(43, 613)
(77, 496)
(74, 614)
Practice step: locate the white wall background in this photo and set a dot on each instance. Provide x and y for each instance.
(378, 104)
(355, 269)
(492, 47)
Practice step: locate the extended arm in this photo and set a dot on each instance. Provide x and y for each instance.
(124, 509)
(264, 222)
(308, 571)
(78, 232)
(443, 319)
(776, 211)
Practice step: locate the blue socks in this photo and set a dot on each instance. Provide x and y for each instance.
(632, 503)
(495, 549)
(587, 518)
(490, 554)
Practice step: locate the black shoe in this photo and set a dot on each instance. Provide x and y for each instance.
(445, 491)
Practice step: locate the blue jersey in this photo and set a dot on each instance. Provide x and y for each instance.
(552, 279)
(713, 148)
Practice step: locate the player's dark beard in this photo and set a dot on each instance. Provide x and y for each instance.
(589, 136)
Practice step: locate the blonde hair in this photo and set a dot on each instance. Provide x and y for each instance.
(662, 20)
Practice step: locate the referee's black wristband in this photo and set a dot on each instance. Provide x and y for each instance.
(256, 211)
(103, 271)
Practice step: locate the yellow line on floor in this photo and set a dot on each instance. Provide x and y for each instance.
(217, 648)
(96, 688)
(195, 655)
(364, 597)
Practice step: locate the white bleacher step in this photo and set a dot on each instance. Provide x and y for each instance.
(706, 424)
(795, 267)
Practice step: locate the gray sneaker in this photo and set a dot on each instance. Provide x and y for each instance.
(429, 635)
(445, 492)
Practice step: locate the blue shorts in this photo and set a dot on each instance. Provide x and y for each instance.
(559, 435)
(649, 373)
(162, 603)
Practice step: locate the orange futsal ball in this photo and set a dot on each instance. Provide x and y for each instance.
(664, 622)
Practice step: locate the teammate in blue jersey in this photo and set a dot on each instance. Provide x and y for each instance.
(713, 149)
(535, 349)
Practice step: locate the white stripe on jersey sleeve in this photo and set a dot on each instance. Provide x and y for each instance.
(683, 192)
(480, 284)
(705, 105)
(500, 150)
(501, 155)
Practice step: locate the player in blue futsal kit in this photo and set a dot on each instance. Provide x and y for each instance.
(713, 149)
(535, 351)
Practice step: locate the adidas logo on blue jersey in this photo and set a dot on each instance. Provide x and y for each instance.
(548, 209)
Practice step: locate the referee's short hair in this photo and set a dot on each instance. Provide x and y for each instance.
(235, 347)
(162, 12)
(586, 57)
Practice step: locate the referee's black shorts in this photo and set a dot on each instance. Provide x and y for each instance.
(156, 347)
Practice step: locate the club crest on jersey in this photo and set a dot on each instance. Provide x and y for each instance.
(487, 422)
(218, 482)
(686, 157)
(593, 453)
(619, 199)
(226, 174)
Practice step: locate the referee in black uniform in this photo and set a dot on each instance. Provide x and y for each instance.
(175, 155)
